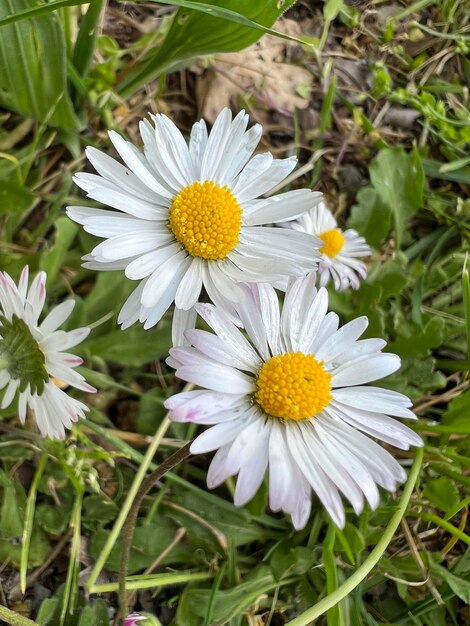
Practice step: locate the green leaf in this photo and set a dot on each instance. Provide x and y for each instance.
(199, 32)
(458, 413)
(147, 542)
(51, 518)
(415, 378)
(86, 39)
(398, 178)
(48, 611)
(52, 261)
(14, 198)
(459, 586)
(33, 79)
(192, 607)
(134, 346)
(151, 411)
(442, 492)
(288, 561)
(419, 341)
(371, 217)
(95, 614)
(12, 508)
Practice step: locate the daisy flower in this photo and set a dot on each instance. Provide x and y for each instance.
(189, 216)
(292, 399)
(340, 251)
(33, 363)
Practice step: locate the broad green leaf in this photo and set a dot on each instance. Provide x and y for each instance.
(415, 378)
(51, 518)
(419, 341)
(95, 614)
(459, 586)
(398, 178)
(14, 198)
(194, 33)
(33, 78)
(370, 216)
(192, 608)
(442, 492)
(147, 542)
(47, 612)
(134, 346)
(458, 412)
(288, 561)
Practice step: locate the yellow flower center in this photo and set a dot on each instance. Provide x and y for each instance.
(293, 386)
(333, 242)
(206, 219)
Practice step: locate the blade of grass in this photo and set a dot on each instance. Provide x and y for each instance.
(154, 580)
(28, 520)
(374, 557)
(213, 11)
(466, 305)
(71, 581)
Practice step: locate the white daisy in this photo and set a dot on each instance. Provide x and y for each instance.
(190, 216)
(292, 400)
(33, 363)
(340, 251)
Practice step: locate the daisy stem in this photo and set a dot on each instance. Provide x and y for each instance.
(168, 464)
(15, 619)
(126, 507)
(374, 557)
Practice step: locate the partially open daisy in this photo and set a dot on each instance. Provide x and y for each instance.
(341, 250)
(292, 399)
(190, 216)
(33, 363)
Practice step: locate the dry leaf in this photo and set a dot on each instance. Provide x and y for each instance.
(259, 71)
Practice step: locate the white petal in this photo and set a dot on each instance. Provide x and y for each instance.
(57, 317)
(182, 321)
(169, 273)
(215, 348)
(365, 369)
(190, 287)
(146, 264)
(375, 399)
(343, 339)
(217, 377)
(281, 207)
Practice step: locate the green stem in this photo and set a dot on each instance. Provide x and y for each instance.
(121, 520)
(28, 520)
(15, 619)
(157, 580)
(168, 464)
(374, 557)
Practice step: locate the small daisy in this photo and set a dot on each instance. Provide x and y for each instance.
(293, 399)
(33, 364)
(190, 216)
(340, 250)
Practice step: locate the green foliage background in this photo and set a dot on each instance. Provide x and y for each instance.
(62, 84)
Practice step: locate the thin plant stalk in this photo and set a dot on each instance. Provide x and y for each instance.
(15, 619)
(126, 507)
(374, 557)
(168, 464)
(28, 521)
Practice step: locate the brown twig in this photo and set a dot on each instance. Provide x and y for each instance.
(128, 530)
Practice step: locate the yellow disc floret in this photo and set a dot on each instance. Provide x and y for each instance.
(293, 386)
(206, 219)
(333, 242)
